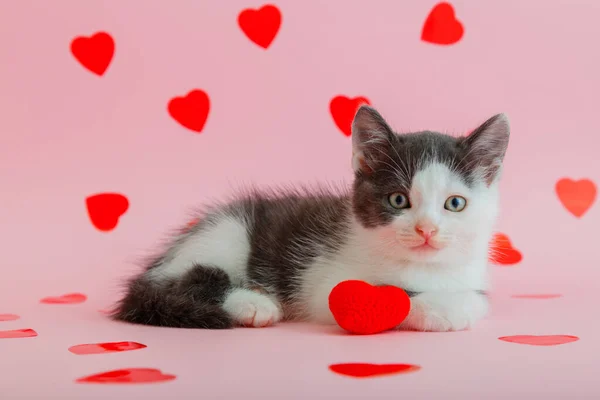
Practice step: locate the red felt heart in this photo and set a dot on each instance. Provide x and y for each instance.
(129, 375)
(71, 298)
(105, 209)
(361, 308)
(100, 348)
(18, 333)
(576, 196)
(359, 370)
(191, 111)
(503, 252)
(261, 25)
(541, 340)
(343, 109)
(9, 317)
(95, 52)
(441, 26)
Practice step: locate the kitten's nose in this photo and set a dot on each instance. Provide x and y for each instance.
(425, 230)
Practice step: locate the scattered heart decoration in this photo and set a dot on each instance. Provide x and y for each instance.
(95, 52)
(260, 25)
(18, 333)
(540, 340)
(71, 298)
(128, 376)
(9, 317)
(191, 110)
(503, 252)
(363, 370)
(577, 196)
(537, 296)
(105, 210)
(363, 309)
(102, 348)
(343, 109)
(441, 26)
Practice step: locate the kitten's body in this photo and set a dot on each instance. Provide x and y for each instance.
(267, 257)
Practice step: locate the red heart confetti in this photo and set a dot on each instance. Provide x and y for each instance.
(361, 308)
(95, 52)
(361, 370)
(343, 109)
(105, 210)
(441, 26)
(128, 376)
(191, 111)
(101, 348)
(9, 317)
(503, 252)
(537, 296)
(18, 333)
(71, 298)
(261, 25)
(576, 196)
(541, 340)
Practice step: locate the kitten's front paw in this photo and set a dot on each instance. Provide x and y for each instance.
(249, 308)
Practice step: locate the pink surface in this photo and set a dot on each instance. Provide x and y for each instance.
(69, 134)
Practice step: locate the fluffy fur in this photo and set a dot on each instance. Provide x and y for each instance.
(266, 257)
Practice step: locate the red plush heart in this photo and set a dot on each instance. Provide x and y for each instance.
(18, 333)
(503, 252)
(71, 298)
(100, 348)
(361, 370)
(95, 52)
(261, 26)
(343, 109)
(441, 26)
(191, 110)
(361, 308)
(105, 209)
(9, 317)
(576, 196)
(129, 375)
(541, 340)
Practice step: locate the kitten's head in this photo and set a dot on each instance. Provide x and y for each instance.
(427, 196)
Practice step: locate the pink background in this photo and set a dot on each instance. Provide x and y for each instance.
(67, 134)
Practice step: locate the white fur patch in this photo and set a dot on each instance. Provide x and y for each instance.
(249, 308)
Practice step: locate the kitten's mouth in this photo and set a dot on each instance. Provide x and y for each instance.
(424, 247)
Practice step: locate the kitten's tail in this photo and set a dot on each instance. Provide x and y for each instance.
(193, 301)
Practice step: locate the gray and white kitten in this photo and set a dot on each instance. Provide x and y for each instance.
(419, 216)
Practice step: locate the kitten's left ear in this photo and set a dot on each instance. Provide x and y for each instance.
(371, 139)
(486, 146)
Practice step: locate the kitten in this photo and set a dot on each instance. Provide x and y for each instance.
(419, 216)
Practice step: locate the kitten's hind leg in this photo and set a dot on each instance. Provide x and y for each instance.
(252, 308)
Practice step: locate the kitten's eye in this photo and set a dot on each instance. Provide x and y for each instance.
(398, 200)
(455, 204)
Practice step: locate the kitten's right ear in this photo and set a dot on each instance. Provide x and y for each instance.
(371, 139)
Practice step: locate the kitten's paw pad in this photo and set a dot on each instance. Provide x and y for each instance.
(252, 309)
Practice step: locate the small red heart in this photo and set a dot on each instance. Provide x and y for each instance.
(542, 340)
(105, 209)
(101, 348)
(129, 375)
(503, 252)
(536, 296)
(260, 26)
(358, 370)
(95, 52)
(343, 109)
(441, 26)
(191, 110)
(361, 308)
(576, 196)
(71, 298)
(18, 333)
(9, 317)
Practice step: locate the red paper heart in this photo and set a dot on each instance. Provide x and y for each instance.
(576, 196)
(343, 109)
(71, 298)
(95, 52)
(191, 111)
(358, 370)
(101, 348)
(18, 333)
(542, 340)
(105, 209)
(441, 26)
(129, 375)
(537, 296)
(260, 26)
(9, 317)
(361, 308)
(503, 252)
